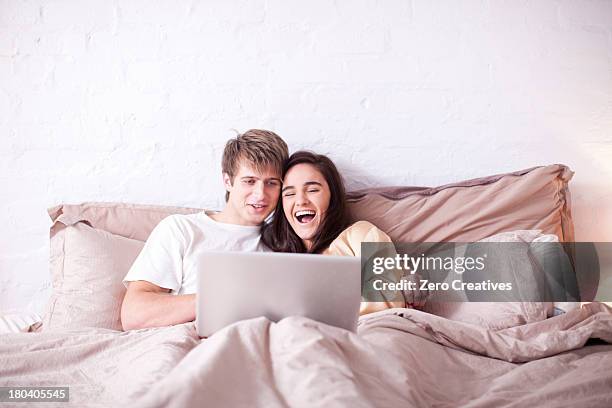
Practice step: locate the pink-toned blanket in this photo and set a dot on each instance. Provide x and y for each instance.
(400, 357)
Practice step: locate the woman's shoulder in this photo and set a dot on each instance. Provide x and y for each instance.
(363, 231)
(349, 241)
(364, 228)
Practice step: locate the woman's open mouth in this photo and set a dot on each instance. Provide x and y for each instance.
(305, 216)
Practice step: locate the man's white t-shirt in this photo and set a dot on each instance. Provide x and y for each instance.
(169, 257)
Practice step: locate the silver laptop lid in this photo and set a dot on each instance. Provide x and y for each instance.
(234, 286)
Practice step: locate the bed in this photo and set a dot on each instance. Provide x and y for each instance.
(477, 355)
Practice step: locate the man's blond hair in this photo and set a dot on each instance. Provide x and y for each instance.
(258, 148)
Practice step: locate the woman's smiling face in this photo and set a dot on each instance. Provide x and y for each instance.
(306, 197)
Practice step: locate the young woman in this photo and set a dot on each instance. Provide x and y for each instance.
(312, 217)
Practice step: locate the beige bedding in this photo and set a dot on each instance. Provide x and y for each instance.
(400, 357)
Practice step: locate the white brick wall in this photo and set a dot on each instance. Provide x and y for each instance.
(133, 100)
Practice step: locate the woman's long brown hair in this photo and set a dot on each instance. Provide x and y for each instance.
(278, 234)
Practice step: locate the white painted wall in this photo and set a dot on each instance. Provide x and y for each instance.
(133, 100)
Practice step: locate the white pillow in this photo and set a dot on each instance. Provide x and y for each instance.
(18, 322)
(558, 307)
(491, 315)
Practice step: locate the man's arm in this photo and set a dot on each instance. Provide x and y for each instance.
(148, 305)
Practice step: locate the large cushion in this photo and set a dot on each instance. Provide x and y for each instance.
(93, 245)
(487, 208)
(533, 199)
(87, 267)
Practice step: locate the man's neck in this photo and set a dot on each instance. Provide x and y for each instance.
(227, 216)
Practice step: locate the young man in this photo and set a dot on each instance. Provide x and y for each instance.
(161, 284)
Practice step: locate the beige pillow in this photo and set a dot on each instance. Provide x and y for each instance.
(93, 245)
(87, 267)
(511, 205)
(531, 199)
(134, 221)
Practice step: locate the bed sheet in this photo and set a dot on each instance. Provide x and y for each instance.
(399, 357)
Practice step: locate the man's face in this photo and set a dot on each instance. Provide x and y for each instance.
(253, 195)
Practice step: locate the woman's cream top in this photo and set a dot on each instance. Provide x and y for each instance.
(348, 243)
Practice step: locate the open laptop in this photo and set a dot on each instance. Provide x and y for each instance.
(234, 286)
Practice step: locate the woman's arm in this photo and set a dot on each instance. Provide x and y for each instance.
(348, 243)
